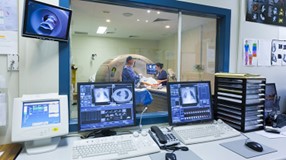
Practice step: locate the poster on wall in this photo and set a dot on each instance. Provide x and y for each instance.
(250, 52)
(267, 11)
(278, 53)
(8, 27)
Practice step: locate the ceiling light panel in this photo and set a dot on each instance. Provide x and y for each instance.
(101, 30)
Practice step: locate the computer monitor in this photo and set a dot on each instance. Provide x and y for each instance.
(151, 69)
(39, 121)
(189, 102)
(270, 96)
(103, 106)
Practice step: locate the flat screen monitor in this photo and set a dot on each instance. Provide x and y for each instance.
(189, 102)
(105, 105)
(39, 121)
(45, 21)
(151, 69)
(270, 95)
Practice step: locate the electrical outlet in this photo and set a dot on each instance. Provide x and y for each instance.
(13, 62)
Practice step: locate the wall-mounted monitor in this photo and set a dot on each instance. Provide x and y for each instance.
(45, 21)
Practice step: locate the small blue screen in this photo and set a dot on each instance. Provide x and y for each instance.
(151, 68)
(190, 102)
(46, 20)
(40, 113)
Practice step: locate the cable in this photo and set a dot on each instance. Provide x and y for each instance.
(140, 124)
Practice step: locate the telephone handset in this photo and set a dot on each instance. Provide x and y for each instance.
(163, 138)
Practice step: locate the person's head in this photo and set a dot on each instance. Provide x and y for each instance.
(129, 61)
(159, 66)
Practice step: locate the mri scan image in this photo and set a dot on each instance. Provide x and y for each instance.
(122, 95)
(101, 95)
(188, 95)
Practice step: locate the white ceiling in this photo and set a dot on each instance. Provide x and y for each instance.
(87, 16)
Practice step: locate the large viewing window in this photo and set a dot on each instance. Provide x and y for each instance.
(155, 32)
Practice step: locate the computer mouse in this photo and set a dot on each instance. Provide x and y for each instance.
(254, 146)
(170, 156)
(184, 148)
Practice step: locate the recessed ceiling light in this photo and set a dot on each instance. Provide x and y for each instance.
(108, 20)
(148, 11)
(101, 30)
(146, 21)
(158, 12)
(167, 26)
(138, 20)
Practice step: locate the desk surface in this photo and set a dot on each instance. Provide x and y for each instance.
(207, 151)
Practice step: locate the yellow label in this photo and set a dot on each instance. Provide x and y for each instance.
(55, 129)
(1, 36)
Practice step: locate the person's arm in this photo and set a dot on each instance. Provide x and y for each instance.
(164, 77)
(133, 76)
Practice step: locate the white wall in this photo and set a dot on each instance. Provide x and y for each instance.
(273, 74)
(106, 48)
(38, 70)
(234, 6)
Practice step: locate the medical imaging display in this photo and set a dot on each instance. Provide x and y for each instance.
(189, 102)
(105, 105)
(101, 95)
(46, 21)
(188, 96)
(151, 69)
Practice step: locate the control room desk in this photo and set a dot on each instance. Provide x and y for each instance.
(207, 151)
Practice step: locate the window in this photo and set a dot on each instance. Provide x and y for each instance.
(163, 54)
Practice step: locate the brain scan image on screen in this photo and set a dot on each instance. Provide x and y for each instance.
(101, 95)
(122, 95)
(188, 95)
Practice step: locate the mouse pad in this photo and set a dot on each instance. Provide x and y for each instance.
(181, 155)
(239, 148)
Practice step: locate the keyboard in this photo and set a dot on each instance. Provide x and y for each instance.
(204, 132)
(114, 147)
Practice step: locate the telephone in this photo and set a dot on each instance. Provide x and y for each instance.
(163, 139)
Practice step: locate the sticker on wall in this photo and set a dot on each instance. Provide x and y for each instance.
(250, 52)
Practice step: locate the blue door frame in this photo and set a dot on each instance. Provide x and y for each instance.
(222, 48)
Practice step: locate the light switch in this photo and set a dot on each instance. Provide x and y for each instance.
(13, 62)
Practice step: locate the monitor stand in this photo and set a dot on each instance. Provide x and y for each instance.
(108, 132)
(42, 145)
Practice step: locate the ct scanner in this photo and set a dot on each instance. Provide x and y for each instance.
(110, 70)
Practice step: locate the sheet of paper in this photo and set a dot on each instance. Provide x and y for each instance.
(264, 56)
(8, 42)
(3, 109)
(250, 52)
(1, 153)
(8, 15)
(270, 135)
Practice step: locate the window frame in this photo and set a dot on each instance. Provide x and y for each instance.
(222, 43)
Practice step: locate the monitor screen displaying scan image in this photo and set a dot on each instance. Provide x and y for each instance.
(188, 95)
(105, 105)
(189, 102)
(151, 69)
(46, 21)
(101, 95)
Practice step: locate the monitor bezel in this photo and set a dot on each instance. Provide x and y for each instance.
(43, 37)
(105, 83)
(170, 107)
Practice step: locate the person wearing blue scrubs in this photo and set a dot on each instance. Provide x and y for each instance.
(162, 76)
(128, 74)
